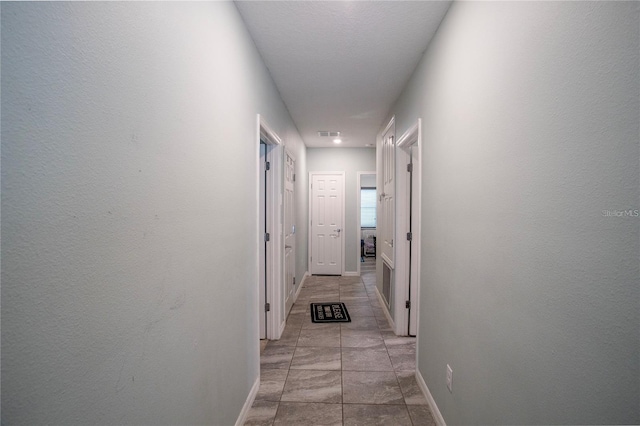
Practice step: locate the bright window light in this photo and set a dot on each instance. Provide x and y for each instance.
(368, 207)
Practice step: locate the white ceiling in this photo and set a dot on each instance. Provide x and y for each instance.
(340, 65)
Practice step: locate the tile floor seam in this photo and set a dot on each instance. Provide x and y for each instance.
(351, 291)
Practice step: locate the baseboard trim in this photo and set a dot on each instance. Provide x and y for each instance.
(304, 277)
(351, 274)
(385, 310)
(248, 403)
(437, 415)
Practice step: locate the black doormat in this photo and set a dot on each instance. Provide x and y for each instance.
(329, 312)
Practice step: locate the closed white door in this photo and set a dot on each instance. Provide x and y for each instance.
(327, 232)
(387, 228)
(289, 233)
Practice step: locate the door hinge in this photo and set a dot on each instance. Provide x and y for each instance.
(294, 280)
(409, 236)
(407, 304)
(267, 307)
(267, 165)
(294, 177)
(267, 237)
(409, 167)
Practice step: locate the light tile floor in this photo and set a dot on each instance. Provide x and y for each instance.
(357, 373)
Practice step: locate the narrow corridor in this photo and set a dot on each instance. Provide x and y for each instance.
(357, 373)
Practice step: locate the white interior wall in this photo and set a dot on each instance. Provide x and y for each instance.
(129, 282)
(368, 181)
(528, 289)
(351, 161)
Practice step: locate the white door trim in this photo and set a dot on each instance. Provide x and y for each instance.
(275, 255)
(411, 138)
(309, 241)
(358, 203)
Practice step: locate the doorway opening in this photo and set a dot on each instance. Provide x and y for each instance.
(270, 255)
(366, 220)
(408, 230)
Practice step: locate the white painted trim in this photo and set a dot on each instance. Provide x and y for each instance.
(417, 225)
(275, 256)
(386, 310)
(392, 121)
(304, 277)
(344, 220)
(351, 274)
(410, 138)
(268, 134)
(437, 415)
(249, 402)
(358, 224)
(258, 241)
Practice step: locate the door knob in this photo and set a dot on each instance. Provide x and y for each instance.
(286, 246)
(337, 230)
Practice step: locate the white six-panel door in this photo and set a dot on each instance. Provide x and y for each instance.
(289, 232)
(387, 229)
(327, 215)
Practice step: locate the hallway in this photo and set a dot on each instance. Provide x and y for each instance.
(135, 214)
(351, 373)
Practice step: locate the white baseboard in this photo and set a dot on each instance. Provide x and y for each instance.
(249, 402)
(351, 274)
(385, 309)
(304, 277)
(437, 416)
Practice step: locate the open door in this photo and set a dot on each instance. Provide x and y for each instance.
(270, 232)
(408, 226)
(262, 230)
(289, 284)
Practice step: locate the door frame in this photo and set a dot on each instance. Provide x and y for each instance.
(275, 247)
(411, 138)
(358, 220)
(310, 241)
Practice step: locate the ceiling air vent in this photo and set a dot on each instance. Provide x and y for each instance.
(326, 134)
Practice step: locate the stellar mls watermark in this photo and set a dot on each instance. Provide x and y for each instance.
(621, 213)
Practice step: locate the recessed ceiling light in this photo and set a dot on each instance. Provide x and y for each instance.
(337, 140)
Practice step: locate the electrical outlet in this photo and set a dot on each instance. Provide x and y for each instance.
(449, 378)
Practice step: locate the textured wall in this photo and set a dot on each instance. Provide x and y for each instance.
(351, 161)
(129, 286)
(528, 289)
